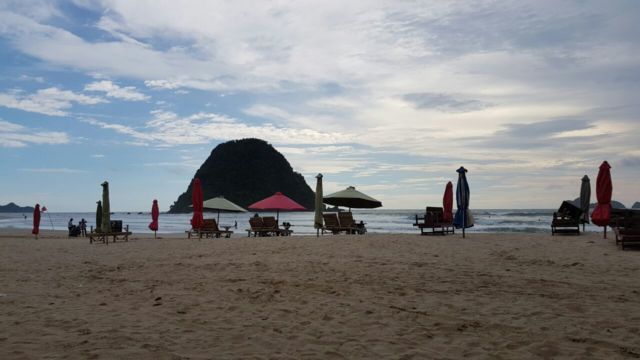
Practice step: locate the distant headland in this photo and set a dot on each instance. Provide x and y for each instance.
(13, 208)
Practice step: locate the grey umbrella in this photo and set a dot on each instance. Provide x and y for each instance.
(317, 219)
(105, 226)
(352, 198)
(221, 204)
(585, 199)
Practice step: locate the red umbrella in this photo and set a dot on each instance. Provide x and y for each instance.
(447, 203)
(36, 221)
(197, 220)
(602, 213)
(277, 202)
(155, 212)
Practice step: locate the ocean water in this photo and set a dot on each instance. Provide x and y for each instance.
(378, 221)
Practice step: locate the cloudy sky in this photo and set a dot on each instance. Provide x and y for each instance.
(389, 96)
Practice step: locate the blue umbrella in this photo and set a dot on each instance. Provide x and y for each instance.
(462, 219)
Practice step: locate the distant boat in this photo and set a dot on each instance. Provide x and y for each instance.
(128, 213)
(139, 212)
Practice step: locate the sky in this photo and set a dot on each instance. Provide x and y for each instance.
(388, 96)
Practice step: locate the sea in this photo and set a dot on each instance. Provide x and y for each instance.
(377, 221)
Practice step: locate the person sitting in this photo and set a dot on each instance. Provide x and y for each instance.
(73, 229)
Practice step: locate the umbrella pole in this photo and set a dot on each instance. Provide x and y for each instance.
(154, 234)
(464, 221)
(605, 231)
(218, 217)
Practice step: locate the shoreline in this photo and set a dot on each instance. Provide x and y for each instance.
(369, 296)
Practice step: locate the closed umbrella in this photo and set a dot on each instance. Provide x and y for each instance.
(105, 225)
(463, 219)
(196, 197)
(352, 198)
(317, 218)
(585, 199)
(36, 221)
(277, 202)
(602, 213)
(99, 216)
(447, 203)
(155, 213)
(219, 203)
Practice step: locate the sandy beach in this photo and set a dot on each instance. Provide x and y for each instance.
(498, 296)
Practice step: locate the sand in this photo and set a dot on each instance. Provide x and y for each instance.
(497, 296)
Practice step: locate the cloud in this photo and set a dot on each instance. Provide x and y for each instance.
(112, 90)
(167, 128)
(15, 135)
(443, 102)
(50, 101)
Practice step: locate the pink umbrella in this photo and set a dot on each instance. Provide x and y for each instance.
(447, 203)
(602, 213)
(197, 221)
(36, 221)
(277, 202)
(155, 213)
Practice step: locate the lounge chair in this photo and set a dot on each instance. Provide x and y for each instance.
(626, 226)
(346, 220)
(434, 221)
(271, 225)
(331, 223)
(567, 219)
(103, 237)
(259, 228)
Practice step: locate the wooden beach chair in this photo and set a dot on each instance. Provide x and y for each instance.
(103, 237)
(332, 224)
(257, 227)
(626, 226)
(271, 225)
(347, 221)
(566, 220)
(210, 229)
(433, 222)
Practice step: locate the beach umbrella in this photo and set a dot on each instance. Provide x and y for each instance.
(352, 198)
(221, 204)
(317, 218)
(463, 218)
(277, 202)
(36, 221)
(602, 213)
(447, 203)
(585, 199)
(196, 197)
(105, 225)
(99, 216)
(155, 213)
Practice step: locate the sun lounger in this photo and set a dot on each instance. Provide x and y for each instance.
(103, 237)
(433, 222)
(346, 220)
(271, 225)
(258, 227)
(332, 224)
(209, 229)
(626, 226)
(567, 219)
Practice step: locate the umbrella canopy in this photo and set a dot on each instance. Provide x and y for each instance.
(155, 213)
(196, 197)
(447, 203)
(105, 225)
(36, 221)
(585, 198)
(604, 188)
(317, 218)
(99, 216)
(221, 204)
(277, 202)
(462, 218)
(352, 198)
